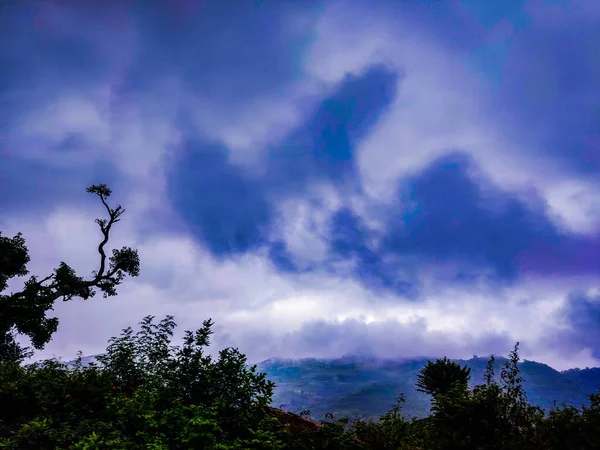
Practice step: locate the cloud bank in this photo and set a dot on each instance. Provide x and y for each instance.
(321, 178)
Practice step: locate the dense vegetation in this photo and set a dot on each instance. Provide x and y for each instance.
(146, 393)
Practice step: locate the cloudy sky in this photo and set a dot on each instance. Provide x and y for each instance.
(320, 178)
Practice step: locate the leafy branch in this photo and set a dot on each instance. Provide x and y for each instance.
(25, 311)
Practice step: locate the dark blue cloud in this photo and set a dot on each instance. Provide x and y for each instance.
(449, 214)
(45, 50)
(222, 52)
(47, 47)
(558, 84)
(351, 240)
(233, 212)
(207, 45)
(349, 237)
(282, 258)
(28, 185)
(452, 217)
(324, 146)
(228, 210)
(446, 213)
(490, 14)
(582, 314)
(230, 52)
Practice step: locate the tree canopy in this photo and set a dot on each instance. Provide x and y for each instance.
(440, 377)
(26, 311)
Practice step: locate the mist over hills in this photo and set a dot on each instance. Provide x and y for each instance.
(367, 387)
(358, 386)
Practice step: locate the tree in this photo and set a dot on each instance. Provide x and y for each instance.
(392, 431)
(492, 416)
(25, 311)
(144, 393)
(442, 376)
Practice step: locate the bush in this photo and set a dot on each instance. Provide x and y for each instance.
(143, 394)
(146, 394)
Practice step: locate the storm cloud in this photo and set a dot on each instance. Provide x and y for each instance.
(320, 178)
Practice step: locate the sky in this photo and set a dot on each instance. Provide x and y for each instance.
(321, 178)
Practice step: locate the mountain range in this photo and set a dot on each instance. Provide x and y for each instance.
(366, 387)
(358, 387)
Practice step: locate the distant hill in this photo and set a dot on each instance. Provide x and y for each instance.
(366, 387)
(359, 387)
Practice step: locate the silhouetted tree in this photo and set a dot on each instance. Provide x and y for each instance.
(491, 416)
(24, 312)
(442, 376)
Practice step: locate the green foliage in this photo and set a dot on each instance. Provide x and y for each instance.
(143, 394)
(491, 416)
(443, 376)
(392, 431)
(24, 312)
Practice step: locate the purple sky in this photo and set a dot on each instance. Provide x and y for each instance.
(319, 178)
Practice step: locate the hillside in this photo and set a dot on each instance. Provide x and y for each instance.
(358, 387)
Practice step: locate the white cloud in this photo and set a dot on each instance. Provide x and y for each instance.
(251, 126)
(51, 124)
(248, 298)
(440, 107)
(303, 222)
(264, 312)
(576, 203)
